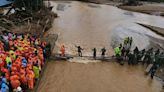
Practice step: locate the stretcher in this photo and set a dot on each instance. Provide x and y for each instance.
(148, 68)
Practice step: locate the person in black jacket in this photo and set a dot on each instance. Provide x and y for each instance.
(103, 50)
(79, 50)
(94, 53)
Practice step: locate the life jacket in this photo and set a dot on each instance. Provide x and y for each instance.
(117, 51)
(36, 71)
(12, 55)
(8, 59)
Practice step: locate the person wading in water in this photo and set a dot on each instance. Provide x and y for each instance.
(94, 53)
(79, 50)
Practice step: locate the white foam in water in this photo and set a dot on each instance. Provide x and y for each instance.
(83, 60)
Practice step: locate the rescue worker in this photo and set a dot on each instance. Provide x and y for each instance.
(136, 56)
(30, 78)
(150, 51)
(121, 46)
(153, 70)
(9, 65)
(157, 52)
(4, 87)
(136, 51)
(23, 78)
(127, 49)
(161, 59)
(21, 55)
(62, 50)
(130, 58)
(24, 62)
(14, 80)
(94, 53)
(130, 41)
(123, 51)
(117, 51)
(79, 49)
(140, 55)
(103, 51)
(36, 71)
(147, 58)
(118, 55)
(126, 40)
(8, 59)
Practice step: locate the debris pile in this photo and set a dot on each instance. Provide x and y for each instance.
(22, 22)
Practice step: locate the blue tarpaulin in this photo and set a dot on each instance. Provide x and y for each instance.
(5, 2)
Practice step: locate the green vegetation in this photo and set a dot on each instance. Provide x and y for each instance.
(32, 5)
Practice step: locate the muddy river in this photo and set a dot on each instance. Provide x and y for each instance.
(97, 26)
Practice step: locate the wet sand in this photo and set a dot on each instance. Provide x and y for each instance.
(96, 77)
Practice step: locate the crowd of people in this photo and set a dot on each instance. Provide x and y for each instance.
(123, 52)
(153, 59)
(22, 57)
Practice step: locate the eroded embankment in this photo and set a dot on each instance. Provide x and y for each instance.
(153, 9)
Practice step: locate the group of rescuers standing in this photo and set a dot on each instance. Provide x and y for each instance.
(123, 53)
(22, 57)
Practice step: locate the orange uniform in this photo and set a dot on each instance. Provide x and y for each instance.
(30, 79)
(62, 49)
(23, 78)
(14, 80)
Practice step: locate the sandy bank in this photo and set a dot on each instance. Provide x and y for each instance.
(153, 9)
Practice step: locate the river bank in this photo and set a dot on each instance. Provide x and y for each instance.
(157, 30)
(148, 8)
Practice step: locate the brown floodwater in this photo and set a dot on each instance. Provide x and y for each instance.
(91, 25)
(96, 77)
(97, 26)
